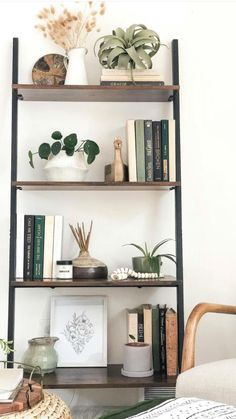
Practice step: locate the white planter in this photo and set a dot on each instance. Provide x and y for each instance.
(76, 70)
(66, 168)
(137, 360)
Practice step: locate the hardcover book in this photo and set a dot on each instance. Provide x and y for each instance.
(171, 342)
(38, 246)
(157, 162)
(165, 149)
(162, 323)
(130, 133)
(155, 339)
(48, 246)
(148, 145)
(28, 246)
(140, 157)
(57, 242)
(132, 324)
(172, 151)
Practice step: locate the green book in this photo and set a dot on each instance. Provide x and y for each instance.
(165, 149)
(140, 150)
(155, 339)
(38, 246)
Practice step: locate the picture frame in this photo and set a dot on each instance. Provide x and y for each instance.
(80, 323)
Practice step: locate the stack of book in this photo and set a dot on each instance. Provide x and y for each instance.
(151, 150)
(126, 78)
(39, 244)
(10, 383)
(157, 326)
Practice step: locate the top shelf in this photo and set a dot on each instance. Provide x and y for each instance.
(94, 93)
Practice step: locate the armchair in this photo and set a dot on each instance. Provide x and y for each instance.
(213, 381)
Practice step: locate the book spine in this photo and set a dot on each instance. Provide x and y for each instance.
(19, 247)
(48, 246)
(162, 313)
(165, 150)
(57, 242)
(155, 339)
(140, 327)
(130, 132)
(38, 246)
(140, 157)
(28, 246)
(148, 145)
(171, 343)
(132, 326)
(130, 83)
(157, 164)
(147, 321)
(172, 150)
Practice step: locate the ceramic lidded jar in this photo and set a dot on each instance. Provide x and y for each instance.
(41, 352)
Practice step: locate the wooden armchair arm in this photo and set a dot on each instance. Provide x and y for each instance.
(188, 357)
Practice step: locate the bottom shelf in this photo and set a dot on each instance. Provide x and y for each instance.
(102, 377)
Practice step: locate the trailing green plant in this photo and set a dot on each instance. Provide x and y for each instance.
(153, 259)
(69, 144)
(5, 346)
(128, 49)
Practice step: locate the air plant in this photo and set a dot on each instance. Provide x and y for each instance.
(128, 49)
(70, 28)
(5, 346)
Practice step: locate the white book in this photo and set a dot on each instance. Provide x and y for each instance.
(57, 242)
(129, 78)
(110, 72)
(20, 247)
(132, 325)
(10, 379)
(130, 130)
(48, 246)
(172, 151)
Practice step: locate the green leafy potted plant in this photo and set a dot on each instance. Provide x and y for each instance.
(65, 157)
(150, 262)
(128, 49)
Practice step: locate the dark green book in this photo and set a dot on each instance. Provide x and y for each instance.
(38, 246)
(165, 149)
(148, 145)
(155, 339)
(157, 163)
(139, 146)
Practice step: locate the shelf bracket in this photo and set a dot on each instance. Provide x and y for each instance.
(20, 96)
(19, 188)
(171, 98)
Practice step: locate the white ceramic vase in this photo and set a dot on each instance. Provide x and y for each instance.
(76, 69)
(66, 168)
(137, 360)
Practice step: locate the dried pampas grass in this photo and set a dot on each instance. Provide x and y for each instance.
(70, 28)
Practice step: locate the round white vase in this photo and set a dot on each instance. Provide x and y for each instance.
(66, 168)
(76, 70)
(137, 360)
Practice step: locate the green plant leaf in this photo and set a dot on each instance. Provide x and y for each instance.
(137, 247)
(44, 151)
(168, 257)
(113, 54)
(56, 148)
(123, 61)
(56, 135)
(69, 151)
(159, 245)
(30, 155)
(91, 149)
(144, 57)
(155, 264)
(70, 141)
(134, 55)
(120, 33)
(132, 337)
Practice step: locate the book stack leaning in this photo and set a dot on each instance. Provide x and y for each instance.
(130, 78)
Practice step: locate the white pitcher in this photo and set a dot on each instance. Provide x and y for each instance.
(76, 70)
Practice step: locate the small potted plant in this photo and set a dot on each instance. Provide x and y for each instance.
(137, 359)
(150, 262)
(65, 157)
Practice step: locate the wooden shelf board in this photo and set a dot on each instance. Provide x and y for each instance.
(102, 377)
(167, 282)
(101, 186)
(94, 93)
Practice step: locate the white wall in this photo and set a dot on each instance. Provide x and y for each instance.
(207, 74)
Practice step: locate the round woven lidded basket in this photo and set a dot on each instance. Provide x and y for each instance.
(52, 407)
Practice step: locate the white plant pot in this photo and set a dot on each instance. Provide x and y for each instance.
(76, 69)
(66, 168)
(137, 360)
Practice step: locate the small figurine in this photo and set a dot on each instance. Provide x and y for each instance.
(116, 171)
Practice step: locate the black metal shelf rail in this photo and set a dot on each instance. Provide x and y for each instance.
(178, 210)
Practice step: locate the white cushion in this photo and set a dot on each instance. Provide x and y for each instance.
(213, 381)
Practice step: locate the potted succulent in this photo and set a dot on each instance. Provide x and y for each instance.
(128, 49)
(137, 359)
(150, 262)
(65, 157)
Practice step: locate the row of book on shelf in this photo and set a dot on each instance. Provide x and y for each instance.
(157, 326)
(151, 150)
(39, 246)
(148, 77)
